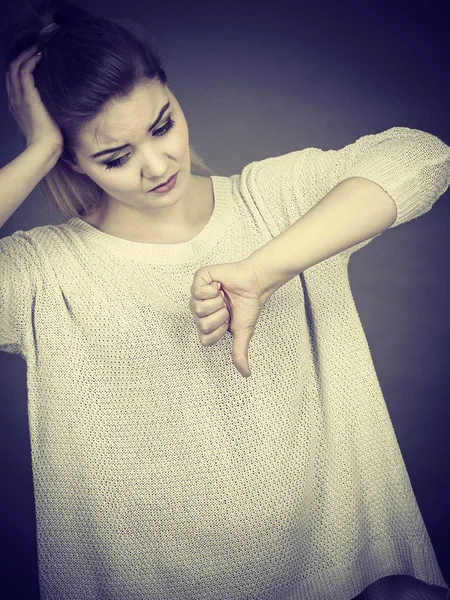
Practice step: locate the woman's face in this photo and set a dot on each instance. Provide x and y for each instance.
(157, 147)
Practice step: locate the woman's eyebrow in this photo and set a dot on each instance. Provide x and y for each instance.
(109, 150)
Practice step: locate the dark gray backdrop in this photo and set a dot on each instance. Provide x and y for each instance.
(262, 81)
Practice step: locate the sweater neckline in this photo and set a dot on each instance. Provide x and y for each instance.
(180, 253)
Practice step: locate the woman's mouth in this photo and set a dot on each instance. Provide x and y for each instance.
(166, 186)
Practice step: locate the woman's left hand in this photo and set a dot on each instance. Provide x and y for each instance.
(234, 308)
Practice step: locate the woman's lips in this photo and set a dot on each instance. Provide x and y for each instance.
(163, 184)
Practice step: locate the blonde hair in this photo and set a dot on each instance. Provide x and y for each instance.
(86, 63)
(73, 194)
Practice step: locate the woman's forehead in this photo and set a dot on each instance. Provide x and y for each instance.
(122, 115)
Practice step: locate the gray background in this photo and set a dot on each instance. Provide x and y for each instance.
(259, 82)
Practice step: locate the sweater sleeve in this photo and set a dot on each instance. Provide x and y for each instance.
(412, 166)
(18, 284)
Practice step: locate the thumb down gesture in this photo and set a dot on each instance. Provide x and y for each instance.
(228, 297)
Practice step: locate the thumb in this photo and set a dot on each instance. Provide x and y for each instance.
(239, 352)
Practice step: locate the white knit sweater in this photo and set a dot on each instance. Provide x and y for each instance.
(160, 473)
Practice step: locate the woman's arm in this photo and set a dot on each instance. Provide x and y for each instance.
(355, 210)
(19, 177)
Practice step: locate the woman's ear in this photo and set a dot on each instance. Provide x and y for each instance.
(75, 166)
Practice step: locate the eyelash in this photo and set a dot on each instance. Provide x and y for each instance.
(118, 162)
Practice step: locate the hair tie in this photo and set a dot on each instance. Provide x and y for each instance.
(45, 31)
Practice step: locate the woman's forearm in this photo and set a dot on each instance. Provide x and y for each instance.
(355, 210)
(19, 177)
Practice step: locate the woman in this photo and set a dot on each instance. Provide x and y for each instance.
(159, 471)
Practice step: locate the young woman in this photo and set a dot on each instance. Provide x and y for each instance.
(172, 458)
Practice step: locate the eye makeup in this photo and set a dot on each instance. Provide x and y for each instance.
(118, 162)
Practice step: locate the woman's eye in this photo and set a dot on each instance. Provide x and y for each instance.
(166, 128)
(118, 162)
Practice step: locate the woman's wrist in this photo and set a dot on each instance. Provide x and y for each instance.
(269, 279)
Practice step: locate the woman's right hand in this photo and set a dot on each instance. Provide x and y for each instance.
(25, 102)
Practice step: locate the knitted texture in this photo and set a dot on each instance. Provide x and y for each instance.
(160, 473)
